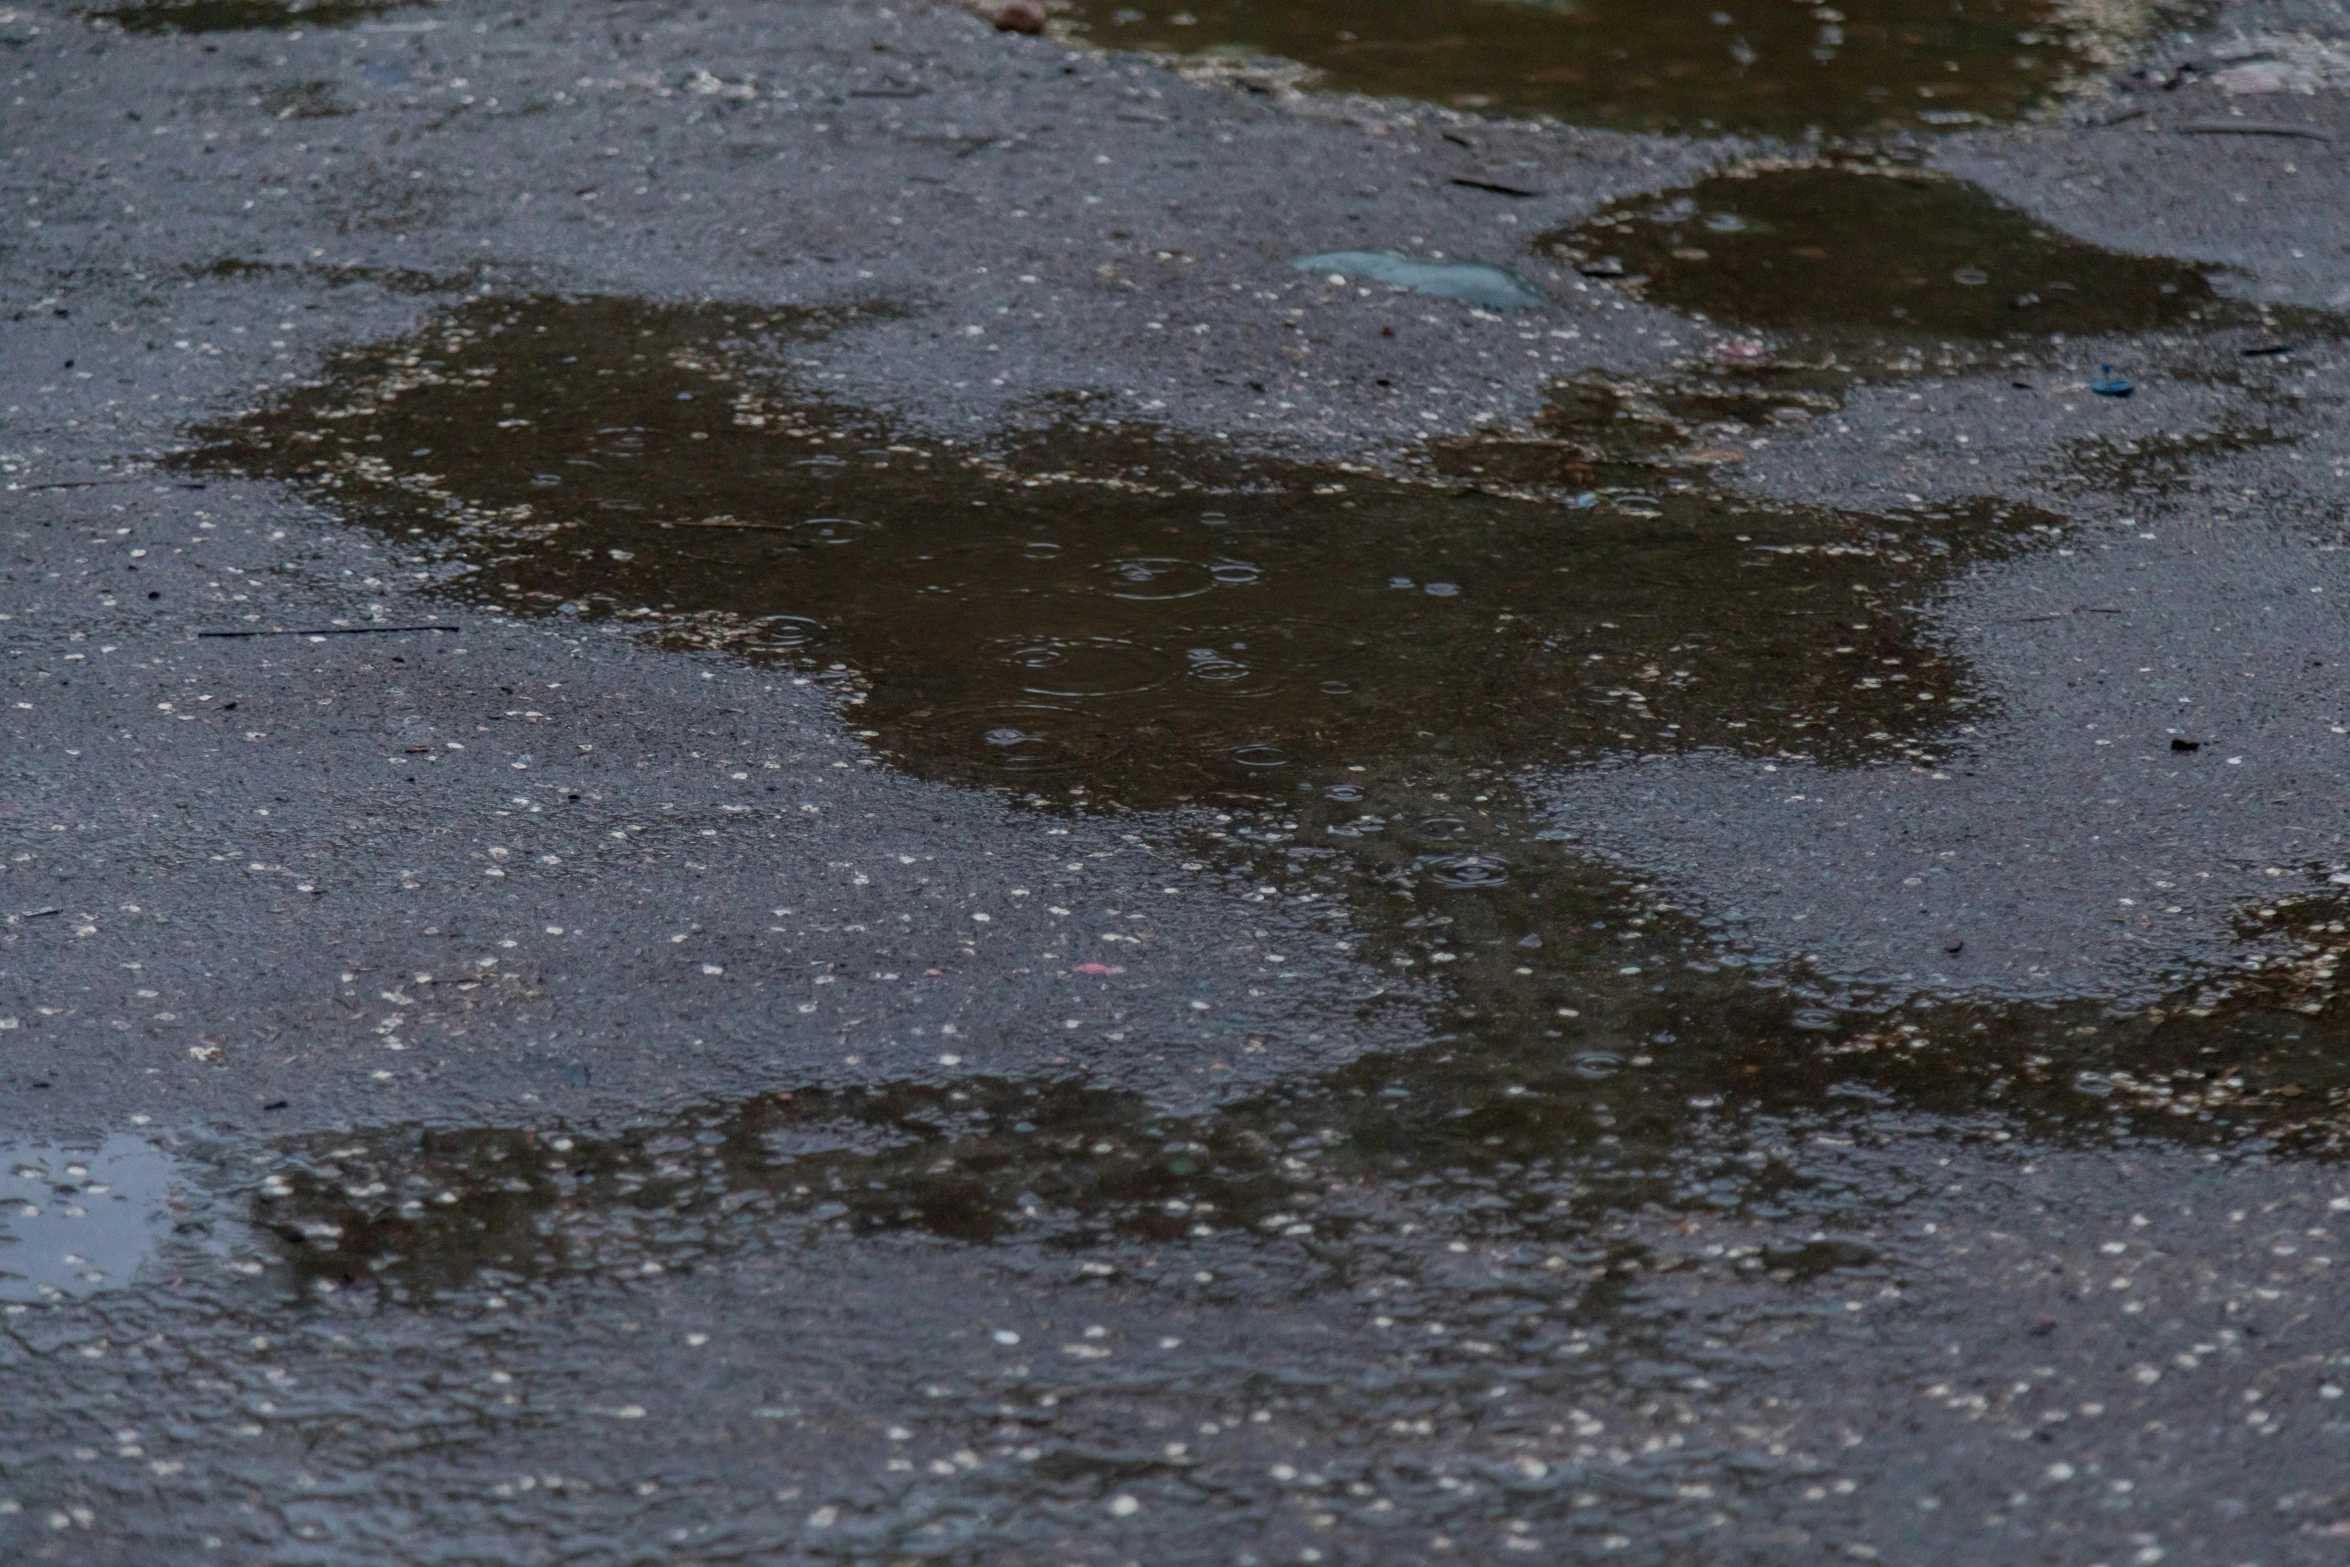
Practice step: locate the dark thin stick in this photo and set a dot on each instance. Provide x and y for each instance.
(1498, 190)
(33, 914)
(93, 484)
(2251, 128)
(2077, 609)
(332, 631)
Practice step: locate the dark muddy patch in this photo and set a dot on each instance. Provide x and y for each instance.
(1875, 264)
(1112, 627)
(236, 16)
(1688, 67)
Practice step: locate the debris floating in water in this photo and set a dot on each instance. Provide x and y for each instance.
(1472, 282)
(2108, 384)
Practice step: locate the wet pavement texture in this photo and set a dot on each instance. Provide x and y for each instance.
(764, 804)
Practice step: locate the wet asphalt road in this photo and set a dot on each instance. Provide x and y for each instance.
(551, 927)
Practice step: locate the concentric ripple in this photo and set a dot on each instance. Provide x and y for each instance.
(1100, 666)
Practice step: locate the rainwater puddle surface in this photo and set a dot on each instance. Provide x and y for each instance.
(1622, 1157)
(1604, 1054)
(75, 1221)
(1670, 427)
(1873, 264)
(1118, 633)
(236, 16)
(1691, 66)
(1335, 686)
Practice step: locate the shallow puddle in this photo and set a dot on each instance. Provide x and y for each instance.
(1674, 426)
(1124, 633)
(1622, 1156)
(1344, 681)
(236, 16)
(1604, 1054)
(75, 1221)
(1595, 1052)
(1871, 263)
(1691, 66)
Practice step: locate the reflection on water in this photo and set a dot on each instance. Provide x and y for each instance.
(1693, 65)
(235, 16)
(1601, 1053)
(1340, 682)
(1866, 261)
(74, 1221)
(604, 460)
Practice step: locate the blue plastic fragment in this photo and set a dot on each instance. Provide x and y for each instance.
(1471, 282)
(2110, 385)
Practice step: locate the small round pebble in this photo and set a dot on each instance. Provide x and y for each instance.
(1020, 16)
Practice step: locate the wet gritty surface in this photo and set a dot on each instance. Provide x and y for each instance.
(1067, 895)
